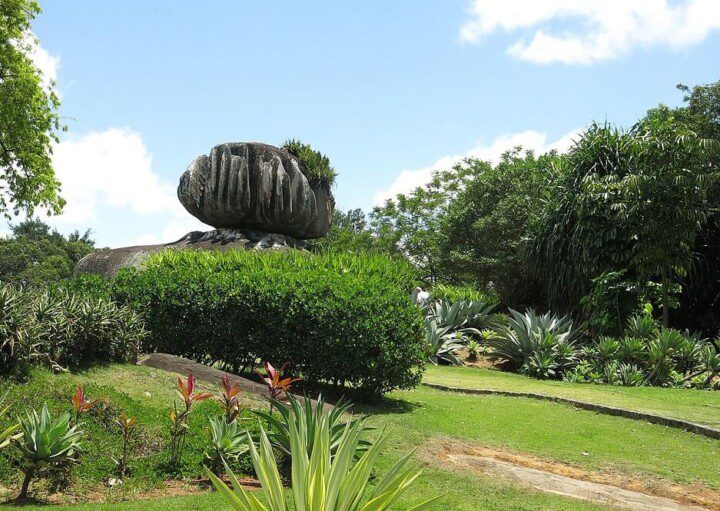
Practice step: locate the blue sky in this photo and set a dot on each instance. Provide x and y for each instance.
(389, 90)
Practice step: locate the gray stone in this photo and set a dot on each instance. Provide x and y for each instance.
(247, 185)
(107, 263)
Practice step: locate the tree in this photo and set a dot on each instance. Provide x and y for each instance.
(349, 232)
(667, 197)
(411, 223)
(488, 223)
(630, 204)
(35, 255)
(29, 121)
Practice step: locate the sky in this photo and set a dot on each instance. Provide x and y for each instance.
(389, 90)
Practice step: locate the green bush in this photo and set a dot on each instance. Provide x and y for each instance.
(57, 328)
(452, 294)
(338, 318)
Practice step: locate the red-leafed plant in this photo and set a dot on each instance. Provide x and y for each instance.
(179, 417)
(80, 404)
(229, 394)
(126, 425)
(277, 385)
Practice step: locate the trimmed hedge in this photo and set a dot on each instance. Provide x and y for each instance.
(337, 318)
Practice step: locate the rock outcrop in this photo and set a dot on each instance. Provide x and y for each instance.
(107, 263)
(245, 185)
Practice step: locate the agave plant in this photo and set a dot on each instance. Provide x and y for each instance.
(321, 481)
(641, 326)
(44, 442)
(443, 342)
(528, 334)
(227, 442)
(9, 433)
(632, 349)
(630, 375)
(461, 314)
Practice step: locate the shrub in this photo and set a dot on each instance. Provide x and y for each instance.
(57, 328)
(338, 318)
(450, 293)
(315, 165)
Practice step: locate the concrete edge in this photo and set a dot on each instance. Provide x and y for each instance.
(692, 427)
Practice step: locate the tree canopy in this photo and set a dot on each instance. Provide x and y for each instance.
(35, 255)
(29, 121)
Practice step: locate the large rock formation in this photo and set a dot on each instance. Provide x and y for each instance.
(107, 263)
(255, 194)
(255, 186)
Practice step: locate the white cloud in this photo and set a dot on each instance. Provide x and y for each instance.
(587, 31)
(408, 180)
(109, 168)
(110, 173)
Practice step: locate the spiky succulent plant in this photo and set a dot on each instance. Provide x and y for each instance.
(44, 442)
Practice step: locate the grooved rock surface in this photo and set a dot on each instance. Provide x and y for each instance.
(255, 186)
(106, 263)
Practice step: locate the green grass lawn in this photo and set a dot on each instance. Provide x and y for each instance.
(423, 417)
(700, 406)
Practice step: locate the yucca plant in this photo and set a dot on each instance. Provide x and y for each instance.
(320, 481)
(306, 417)
(10, 432)
(44, 442)
(661, 349)
(630, 375)
(227, 443)
(632, 349)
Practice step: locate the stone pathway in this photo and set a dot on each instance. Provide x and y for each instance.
(569, 487)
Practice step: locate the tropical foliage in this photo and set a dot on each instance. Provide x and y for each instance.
(321, 481)
(227, 442)
(59, 328)
(306, 417)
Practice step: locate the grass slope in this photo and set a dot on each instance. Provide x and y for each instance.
(423, 417)
(700, 406)
(141, 392)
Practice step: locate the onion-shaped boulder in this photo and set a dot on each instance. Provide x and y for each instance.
(247, 185)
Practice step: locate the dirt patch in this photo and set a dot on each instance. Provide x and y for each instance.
(116, 493)
(604, 487)
(481, 361)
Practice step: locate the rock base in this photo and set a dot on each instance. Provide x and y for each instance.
(107, 263)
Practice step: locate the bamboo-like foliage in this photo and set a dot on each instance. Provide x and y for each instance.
(7, 435)
(320, 481)
(627, 201)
